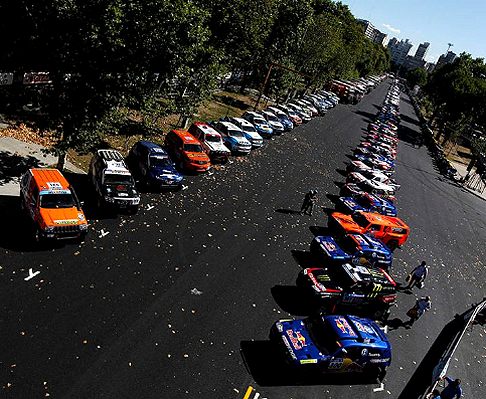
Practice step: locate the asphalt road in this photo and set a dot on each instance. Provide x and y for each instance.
(172, 301)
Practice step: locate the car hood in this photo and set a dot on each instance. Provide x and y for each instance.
(197, 156)
(62, 216)
(213, 146)
(239, 140)
(297, 339)
(120, 190)
(168, 171)
(347, 222)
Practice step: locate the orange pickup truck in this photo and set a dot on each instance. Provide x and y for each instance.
(392, 231)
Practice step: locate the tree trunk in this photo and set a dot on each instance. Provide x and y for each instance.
(61, 160)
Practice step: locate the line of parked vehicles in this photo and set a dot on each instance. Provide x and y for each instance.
(350, 282)
(55, 211)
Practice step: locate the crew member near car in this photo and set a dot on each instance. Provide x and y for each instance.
(417, 276)
(308, 204)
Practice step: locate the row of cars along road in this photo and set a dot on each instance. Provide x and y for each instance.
(51, 203)
(349, 282)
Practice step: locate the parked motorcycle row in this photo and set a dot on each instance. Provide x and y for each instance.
(350, 280)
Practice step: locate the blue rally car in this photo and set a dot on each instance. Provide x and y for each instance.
(333, 343)
(152, 166)
(352, 248)
(366, 202)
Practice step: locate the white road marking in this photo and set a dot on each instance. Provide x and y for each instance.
(150, 207)
(381, 388)
(257, 395)
(32, 274)
(184, 187)
(385, 330)
(103, 233)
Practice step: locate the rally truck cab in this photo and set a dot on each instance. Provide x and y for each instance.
(333, 344)
(392, 231)
(52, 205)
(357, 289)
(112, 181)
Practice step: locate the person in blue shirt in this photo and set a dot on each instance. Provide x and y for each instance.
(453, 389)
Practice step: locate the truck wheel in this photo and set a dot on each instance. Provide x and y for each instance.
(377, 373)
(392, 245)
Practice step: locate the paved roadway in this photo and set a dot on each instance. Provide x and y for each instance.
(170, 301)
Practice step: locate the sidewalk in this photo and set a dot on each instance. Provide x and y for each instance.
(16, 157)
(462, 171)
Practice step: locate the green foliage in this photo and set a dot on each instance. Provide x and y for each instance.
(107, 58)
(417, 77)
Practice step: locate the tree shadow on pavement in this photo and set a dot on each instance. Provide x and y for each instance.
(265, 362)
(13, 166)
(293, 300)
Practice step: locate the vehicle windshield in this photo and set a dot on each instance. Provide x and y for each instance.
(248, 128)
(272, 118)
(57, 201)
(235, 133)
(193, 148)
(322, 336)
(117, 179)
(212, 138)
(360, 219)
(259, 121)
(158, 162)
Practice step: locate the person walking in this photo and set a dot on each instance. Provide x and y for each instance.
(417, 276)
(453, 389)
(421, 306)
(308, 204)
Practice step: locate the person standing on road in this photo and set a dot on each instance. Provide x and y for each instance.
(308, 204)
(453, 389)
(421, 306)
(417, 276)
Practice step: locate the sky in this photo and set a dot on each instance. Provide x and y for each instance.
(438, 22)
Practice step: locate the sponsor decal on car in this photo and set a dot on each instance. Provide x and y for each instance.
(298, 341)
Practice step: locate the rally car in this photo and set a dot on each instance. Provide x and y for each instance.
(373, 176)
(376, 161)
(392, 231)
(351, 248)
(366, 202)
(353, 190)
(357, 289)
(333, 343)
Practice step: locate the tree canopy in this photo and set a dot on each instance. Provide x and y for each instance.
(165, 56)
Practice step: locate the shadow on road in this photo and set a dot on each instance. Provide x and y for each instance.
(303, 258)
(287, 211)
(293, 300)
(367, 116)
(320, 230)
(13, 165)
(265, 363)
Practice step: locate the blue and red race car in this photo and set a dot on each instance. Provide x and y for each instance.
(352, 248)
(366, 202)
(333, 344)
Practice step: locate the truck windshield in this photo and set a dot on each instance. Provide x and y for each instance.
(235, 133)
(272, 118)
(212, 138)
(248, 128)
(193, 148)
(360, 219)
(159, 162)
(57, 201)
(322, 336)
(117, 179)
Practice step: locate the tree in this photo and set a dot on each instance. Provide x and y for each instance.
(417, 77)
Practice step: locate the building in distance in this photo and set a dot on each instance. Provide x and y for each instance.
(372, 33)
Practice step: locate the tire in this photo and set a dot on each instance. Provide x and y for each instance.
(392, 245)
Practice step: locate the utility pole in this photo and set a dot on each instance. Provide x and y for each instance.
(449, 45)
